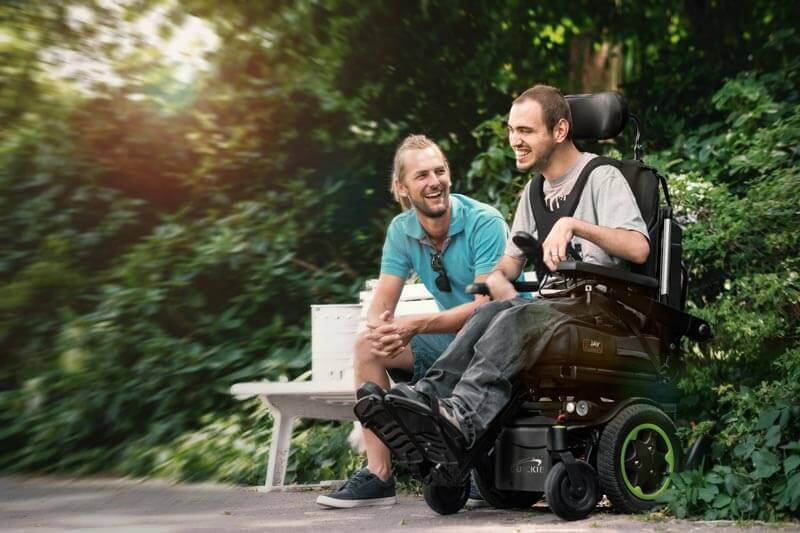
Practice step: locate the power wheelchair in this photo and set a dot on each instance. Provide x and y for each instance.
(593, 416)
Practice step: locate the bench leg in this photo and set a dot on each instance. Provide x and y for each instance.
(279, 449)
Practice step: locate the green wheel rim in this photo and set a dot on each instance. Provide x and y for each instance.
(658, 443)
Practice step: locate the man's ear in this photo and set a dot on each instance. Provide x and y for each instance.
(561, 130)
(400, 188)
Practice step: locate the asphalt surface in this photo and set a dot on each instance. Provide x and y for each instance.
(45, 504)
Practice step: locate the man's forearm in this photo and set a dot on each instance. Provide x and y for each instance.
(449, 321)
(626, 244)
(509, 267)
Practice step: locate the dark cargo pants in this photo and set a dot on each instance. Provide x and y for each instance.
(475, 374)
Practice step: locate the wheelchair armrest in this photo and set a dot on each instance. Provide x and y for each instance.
(679, 322)
(519, 286)
(581, 269)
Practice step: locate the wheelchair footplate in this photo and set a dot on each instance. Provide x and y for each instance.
(432, 449)
(371, 411)
(437, 443)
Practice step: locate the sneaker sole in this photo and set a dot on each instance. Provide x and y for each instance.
(372, 413)
(335, 503)
(423, 428)
(473, 503)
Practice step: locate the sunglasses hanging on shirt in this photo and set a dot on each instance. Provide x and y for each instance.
(442, 281)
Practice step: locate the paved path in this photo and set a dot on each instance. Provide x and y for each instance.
(45, 504)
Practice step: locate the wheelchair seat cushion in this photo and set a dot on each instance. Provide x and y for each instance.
(592, 335)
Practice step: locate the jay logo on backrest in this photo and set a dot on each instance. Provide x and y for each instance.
(592, 346)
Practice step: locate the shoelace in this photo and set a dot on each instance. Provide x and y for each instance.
(359, 478)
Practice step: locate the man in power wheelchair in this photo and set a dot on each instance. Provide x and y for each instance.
(567, 395)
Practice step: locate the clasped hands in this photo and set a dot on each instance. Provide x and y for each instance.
(389, 335)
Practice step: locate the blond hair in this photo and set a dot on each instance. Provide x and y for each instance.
(412, 142)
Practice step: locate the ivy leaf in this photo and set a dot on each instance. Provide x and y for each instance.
(731, 483)
(722, 500)
(773, 436)
(722, 469)
(708, 493)
(766, 464)
(793, 489)
(744, 449)
(767, 418)
(785, 417)
(791, 463)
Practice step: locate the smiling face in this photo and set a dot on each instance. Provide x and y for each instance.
(529, 137)
(426, 181)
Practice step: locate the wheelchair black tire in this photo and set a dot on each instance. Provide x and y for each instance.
(445, 499)
(647, 437)
(560, 496)
(498, 498)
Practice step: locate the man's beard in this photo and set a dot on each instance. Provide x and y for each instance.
(541, 162)
(423, 209)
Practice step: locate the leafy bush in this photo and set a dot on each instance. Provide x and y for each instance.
(190, 310)
(756, 454)
(737, 184)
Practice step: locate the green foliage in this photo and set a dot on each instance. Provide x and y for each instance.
(492, 175)
(234, 449)
(181, 318)
(756, 455)
(62, 230)
(737, 184)
(736, 180)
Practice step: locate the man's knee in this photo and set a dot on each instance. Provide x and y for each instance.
(362, 353)
(487, 311)
(496, 306)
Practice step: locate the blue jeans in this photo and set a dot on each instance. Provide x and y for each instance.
(475, 374)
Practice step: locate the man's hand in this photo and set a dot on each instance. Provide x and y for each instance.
(554, 247)
(499, 286)
(390, 335)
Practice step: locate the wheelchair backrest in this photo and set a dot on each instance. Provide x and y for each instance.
(602, 116)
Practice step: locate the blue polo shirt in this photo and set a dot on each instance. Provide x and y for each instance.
(475, 243)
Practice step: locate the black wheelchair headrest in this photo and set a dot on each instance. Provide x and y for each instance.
(597, 116)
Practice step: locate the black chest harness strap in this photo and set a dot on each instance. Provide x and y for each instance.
(546, 219)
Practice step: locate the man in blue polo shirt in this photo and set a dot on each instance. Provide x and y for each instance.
(450, 241)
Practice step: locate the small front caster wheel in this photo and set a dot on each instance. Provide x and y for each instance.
(572, 502)
(446, 499)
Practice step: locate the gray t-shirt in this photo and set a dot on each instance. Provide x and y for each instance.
(606, 200)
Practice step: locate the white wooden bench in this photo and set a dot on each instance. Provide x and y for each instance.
(330, 393)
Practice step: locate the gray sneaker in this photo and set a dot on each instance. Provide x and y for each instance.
(475, 500)
(362, 489)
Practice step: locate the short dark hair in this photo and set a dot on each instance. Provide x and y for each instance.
(554, 105)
